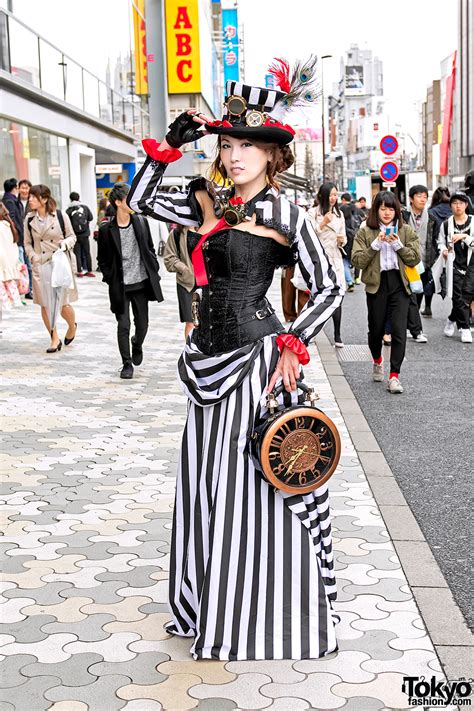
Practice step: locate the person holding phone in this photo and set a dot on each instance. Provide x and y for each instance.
(330, 226)
(382, 248)
(457, 236)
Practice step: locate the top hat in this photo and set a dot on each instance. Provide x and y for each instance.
(248, 115)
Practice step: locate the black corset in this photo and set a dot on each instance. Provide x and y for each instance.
(233, 310)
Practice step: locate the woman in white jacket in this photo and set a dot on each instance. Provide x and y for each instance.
(456, 236)
(330, 226)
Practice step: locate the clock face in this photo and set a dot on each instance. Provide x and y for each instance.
(300, 450)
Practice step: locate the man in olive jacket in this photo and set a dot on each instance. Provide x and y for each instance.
(129, 266)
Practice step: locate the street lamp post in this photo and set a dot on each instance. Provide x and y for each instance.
(325, 56)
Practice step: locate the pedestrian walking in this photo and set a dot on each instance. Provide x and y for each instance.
(176, 259)
(231, 528)
(81, 217)
(129, 267)
(421, 221)
(383, 247)
(363, 206)
(439, 210)
(46, 230)
(24, 186)
(456, 243)
(329, 225)
(9, 262)
(469, 190)
(352, 225)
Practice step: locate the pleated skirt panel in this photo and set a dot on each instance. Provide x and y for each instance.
(252, 574)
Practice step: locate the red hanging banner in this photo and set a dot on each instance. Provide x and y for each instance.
(447, 116)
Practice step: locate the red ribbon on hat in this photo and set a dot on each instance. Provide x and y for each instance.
(219, 124)
(152, 149)
(277, 124)
(197, 256)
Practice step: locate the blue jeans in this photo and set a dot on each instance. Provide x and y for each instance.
(347, 270)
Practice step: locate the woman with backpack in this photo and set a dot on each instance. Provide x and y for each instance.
(177, 259)
(47, 229)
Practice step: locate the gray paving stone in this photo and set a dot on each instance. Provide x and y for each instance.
(446, 629)
(29, 630)
(100, 550)
(389, 588)
(374, 642)
(104, 593)
(14, 564)
(72, 672)
(363, 703)
(10, 669)
(151, 607)
(379, 559)
(147, 550)
(215, 704)
(419, 564)
(99, 696)
(31, 695)
(49, 594)
(401, 523)
(135, 578)
(78, 541)
(371, 534)
(88, 630)
(141, 670)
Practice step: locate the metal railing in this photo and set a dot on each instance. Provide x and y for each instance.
(28, 56)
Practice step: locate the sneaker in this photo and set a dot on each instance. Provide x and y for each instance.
(394, 386)
(89, 274)
(358, 280)
(427, 313)
(350, 287)
(29, 296)
(127, 371)
(377, 373)
(137, 353)
(466, 335)
(449, 328)
(79, 274)
(420, 338)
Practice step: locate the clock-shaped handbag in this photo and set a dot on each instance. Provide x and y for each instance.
(297, 448)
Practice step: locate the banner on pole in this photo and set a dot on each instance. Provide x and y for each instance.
(141, 60)
(182, 47)
(230, 29)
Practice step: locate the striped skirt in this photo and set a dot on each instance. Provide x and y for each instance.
(252, 573)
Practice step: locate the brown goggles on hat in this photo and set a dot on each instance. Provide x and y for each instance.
(236, 105)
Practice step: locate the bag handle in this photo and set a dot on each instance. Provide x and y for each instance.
(310, 395)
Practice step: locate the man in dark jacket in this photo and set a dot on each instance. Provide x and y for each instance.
(419, 219)
(469, 190)
(80, 217)
(129, 266)
(16, 211)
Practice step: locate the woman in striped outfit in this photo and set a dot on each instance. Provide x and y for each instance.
(251, 568)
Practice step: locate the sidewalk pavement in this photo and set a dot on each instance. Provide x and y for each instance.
(88, 469)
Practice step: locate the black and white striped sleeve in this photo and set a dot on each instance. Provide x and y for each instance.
(146, 198)
(319, 275)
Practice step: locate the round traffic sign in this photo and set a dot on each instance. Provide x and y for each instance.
(389, 171)
(389, 145)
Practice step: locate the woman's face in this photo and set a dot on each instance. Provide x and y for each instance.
(243, 160)
(386, 214)
(35, 203)
(333, 197)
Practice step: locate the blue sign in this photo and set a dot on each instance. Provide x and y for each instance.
(389, 145)
(389, 171)
(230, 30)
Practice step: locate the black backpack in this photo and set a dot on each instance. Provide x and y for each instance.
(79, 221)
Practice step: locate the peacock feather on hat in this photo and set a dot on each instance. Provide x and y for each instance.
(300, 84)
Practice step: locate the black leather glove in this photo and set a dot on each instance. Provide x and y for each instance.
(183, 130)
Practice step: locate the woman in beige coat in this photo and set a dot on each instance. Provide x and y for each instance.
(330, 226)
(44, 235)
(176, 258)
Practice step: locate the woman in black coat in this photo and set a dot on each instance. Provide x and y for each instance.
(129, 266)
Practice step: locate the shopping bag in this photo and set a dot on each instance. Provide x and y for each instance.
(414, 280)
(23, 281)
(297, 279)
(61, 275)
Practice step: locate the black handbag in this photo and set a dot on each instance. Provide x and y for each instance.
(296, 448)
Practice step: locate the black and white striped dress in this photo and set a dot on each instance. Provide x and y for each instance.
(252, 574)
